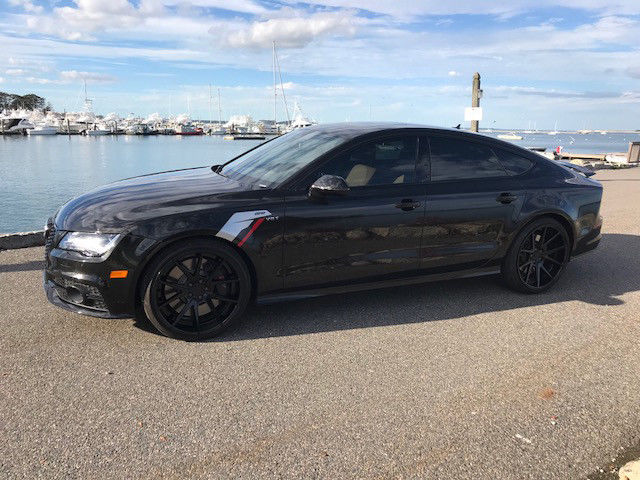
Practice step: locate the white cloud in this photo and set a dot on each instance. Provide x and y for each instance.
(453, 73)
(90, 77)
(27, 6)
(15, 71)
(291, 32)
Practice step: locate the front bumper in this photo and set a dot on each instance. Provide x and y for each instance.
(54, 294)
(83, 285)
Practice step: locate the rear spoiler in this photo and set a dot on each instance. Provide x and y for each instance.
(587, 172)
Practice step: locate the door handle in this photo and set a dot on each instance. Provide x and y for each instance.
(407, 205)
(506, 198)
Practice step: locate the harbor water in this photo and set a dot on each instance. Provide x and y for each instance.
(38, 174)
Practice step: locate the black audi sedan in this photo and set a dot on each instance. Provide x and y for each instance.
(325, 209)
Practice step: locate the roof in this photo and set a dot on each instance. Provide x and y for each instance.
(354, 129)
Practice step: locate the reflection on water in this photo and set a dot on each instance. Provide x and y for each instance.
(38, 174)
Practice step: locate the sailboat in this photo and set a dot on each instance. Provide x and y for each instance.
(277, 71)
(555, 129)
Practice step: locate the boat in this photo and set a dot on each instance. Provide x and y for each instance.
(97, 130)
(299, 119)
(555, 129)
(15, 126)
(188, 129)
(510, 136)
(43, 129)
(244, 136)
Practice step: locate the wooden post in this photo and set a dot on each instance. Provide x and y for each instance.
(475, 99)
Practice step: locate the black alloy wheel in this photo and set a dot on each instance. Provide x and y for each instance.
(197, 290)
(537, 257)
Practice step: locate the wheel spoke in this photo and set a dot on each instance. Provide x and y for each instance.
(525, 265)
(174, 284)
(546, 271)
(167, 301)
(551, 239)
(211, 305)
(553, 250)
(538, 274)
(547, 257)
(184, 269)
(531, 268)
(224, 299)
(196, 316)
(212, 266)
(181, 314)
(198, 264)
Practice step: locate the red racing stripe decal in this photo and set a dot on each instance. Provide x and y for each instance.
(250, 232)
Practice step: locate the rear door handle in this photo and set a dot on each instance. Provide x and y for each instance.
(506, 198)
(407, 205)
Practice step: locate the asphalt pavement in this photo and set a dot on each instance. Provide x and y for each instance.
(460, 379)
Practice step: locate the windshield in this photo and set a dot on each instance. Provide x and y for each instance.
(275, 161)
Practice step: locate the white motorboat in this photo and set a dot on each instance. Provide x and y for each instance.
(97, 130)
(15, 125)
(510, 136)
(43, 130)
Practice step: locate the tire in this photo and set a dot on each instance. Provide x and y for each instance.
(537, 257)
(196, 289)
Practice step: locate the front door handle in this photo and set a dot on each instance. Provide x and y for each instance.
(506, 198)
(407, 205)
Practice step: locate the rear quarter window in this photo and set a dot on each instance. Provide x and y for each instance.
(514, 164)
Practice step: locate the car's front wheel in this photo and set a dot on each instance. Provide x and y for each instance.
(537, 256)
(196, 289)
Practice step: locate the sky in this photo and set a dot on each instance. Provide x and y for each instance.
(574, 62)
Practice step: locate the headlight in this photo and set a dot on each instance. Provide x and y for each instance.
(89, 244)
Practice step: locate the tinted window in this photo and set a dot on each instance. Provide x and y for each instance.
(276, 160)
(380, 162)
(512, 163)
(453, 159)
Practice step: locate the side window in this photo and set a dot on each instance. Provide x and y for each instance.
(512, 163)
(380, 162)
(453, 159)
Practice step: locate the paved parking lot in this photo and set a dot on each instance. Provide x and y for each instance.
(462, 379)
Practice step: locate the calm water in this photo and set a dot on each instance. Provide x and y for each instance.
(590, 143)
(38, 174)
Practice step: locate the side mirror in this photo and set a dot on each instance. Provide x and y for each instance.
(329, 185)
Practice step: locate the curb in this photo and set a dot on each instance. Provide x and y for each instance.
(11, 241)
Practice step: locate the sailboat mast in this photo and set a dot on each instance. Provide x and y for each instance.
(210, 111)
(275, 91)
(219, 109)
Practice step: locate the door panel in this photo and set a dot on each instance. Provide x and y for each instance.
(467, 219)
(372, 232)
(360, 236)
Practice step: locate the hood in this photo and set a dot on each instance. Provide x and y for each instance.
(121, 205)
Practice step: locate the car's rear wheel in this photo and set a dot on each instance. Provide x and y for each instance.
(196, 290)
(537, 256)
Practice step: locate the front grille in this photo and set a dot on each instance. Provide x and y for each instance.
(91, 296)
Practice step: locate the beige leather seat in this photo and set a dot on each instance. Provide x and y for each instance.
(360, 175)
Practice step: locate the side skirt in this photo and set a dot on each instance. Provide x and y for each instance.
(319, 292)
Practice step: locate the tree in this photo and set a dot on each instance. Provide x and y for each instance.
(31, 101)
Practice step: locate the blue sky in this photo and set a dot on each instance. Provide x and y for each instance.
(576, 62)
